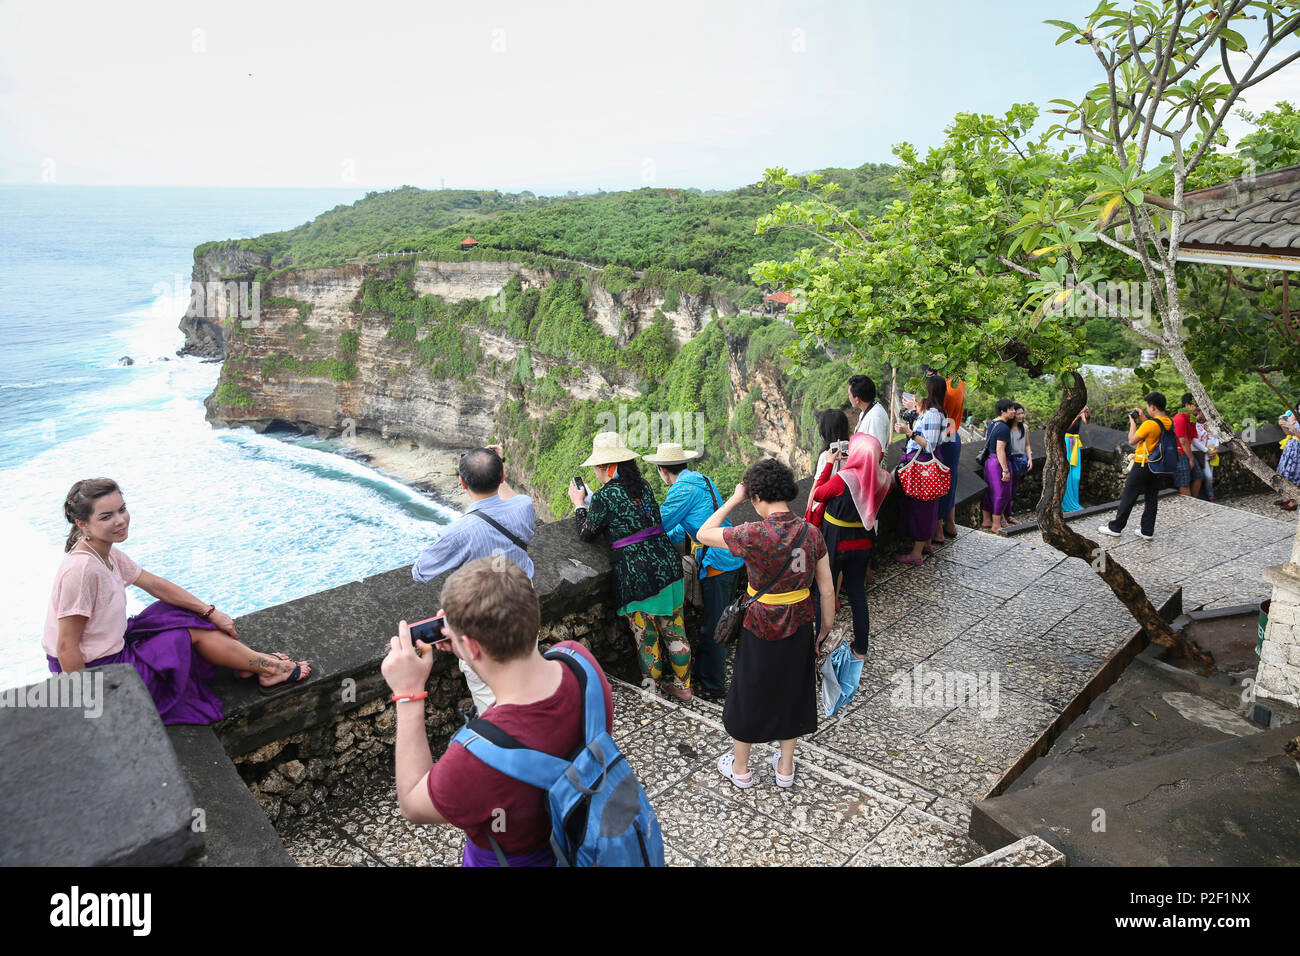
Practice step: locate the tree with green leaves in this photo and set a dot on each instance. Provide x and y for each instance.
(975, 270)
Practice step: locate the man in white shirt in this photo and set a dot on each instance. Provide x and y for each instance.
(873, 418)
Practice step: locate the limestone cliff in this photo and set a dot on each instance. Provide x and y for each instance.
(318, 358)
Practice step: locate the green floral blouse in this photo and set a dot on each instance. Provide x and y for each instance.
(641, 570)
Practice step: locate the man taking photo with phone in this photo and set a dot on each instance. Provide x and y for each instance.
(491, 619)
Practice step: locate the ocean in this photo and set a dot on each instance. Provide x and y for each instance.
(91, 274)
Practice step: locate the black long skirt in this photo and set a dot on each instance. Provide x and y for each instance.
(773, 693)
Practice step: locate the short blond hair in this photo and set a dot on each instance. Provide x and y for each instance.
(492, 601)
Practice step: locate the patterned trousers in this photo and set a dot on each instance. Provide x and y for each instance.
(654, 634)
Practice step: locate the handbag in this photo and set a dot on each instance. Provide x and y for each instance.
(925, 480)
(1019, 465)
(733, 615)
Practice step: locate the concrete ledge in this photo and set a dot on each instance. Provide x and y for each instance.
(235, 830)
(101, 790)
(1230, 803)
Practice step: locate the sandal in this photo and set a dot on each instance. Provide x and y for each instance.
(280, 687)
(725, 764)
(714, 696)
(781, 779)
(927, 550)
(908, 559)
(680, 693)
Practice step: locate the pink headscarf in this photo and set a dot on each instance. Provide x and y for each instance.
(866, 480)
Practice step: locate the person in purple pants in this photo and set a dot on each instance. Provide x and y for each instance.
(997, 468)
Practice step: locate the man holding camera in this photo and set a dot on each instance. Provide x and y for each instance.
(498, 523)
(1144, 436)
(490, 622)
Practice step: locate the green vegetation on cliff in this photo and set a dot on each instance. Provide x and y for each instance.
(678, 230)
(692, 401)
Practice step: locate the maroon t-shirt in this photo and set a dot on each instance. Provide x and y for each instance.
(471, 795)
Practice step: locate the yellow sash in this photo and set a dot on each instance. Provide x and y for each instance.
(1074, 450)
(782, 597)
(843, 524)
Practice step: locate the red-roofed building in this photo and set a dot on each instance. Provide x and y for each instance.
(779, 301)
(469, 242)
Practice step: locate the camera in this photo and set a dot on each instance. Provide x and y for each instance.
(429, 630)
(1134, 415)
(909, 416)
(579, 483)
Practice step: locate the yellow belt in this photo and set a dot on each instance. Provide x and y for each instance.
(782, 597)
(843, 524)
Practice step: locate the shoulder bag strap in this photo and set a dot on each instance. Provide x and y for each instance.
(496, 524)
(803, 533)
(708, 483)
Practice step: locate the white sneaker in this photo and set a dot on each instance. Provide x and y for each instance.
(1105, 529)
(1145, 537)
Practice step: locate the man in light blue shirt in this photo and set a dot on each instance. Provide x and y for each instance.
(498, 522)
(690, 500)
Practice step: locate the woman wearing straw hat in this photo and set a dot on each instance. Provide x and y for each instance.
(647, 571)
(690, 500)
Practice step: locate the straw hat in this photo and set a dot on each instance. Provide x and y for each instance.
(671, 453)
(606, 449)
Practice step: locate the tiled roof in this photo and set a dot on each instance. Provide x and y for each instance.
(1262, 213)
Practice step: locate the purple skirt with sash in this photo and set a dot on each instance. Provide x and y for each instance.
(158, 647)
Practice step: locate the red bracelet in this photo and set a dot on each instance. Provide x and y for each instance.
(402, 699)
(207, 615)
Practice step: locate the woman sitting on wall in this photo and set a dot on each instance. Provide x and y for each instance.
(647, 572)
(175, 644)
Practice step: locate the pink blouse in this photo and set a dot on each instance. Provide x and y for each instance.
(85, 586)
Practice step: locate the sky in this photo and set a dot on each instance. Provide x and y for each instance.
(547, 96)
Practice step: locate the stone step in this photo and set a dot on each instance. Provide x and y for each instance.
(1030, 851)
(235, 829)
(1230, 803)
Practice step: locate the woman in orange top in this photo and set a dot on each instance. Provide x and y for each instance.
(954, 409)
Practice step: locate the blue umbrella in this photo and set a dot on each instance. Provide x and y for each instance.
(841, 672)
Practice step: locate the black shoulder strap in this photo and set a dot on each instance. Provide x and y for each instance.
(496, 524)
(708, 483)
(803, 532)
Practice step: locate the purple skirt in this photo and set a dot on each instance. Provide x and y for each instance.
(158, 647)
(997, 500)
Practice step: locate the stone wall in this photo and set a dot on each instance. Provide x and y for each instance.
(1103, 475)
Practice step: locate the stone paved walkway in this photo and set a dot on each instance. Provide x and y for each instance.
(891, 778)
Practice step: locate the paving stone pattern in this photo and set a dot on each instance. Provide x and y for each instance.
(890, 779)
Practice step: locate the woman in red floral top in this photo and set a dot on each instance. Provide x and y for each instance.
(774, 685)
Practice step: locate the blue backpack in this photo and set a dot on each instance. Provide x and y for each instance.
(1163, 459)
(599, 813)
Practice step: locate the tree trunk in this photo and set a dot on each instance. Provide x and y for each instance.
(1051, 522)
